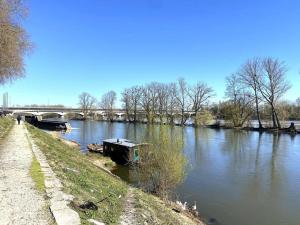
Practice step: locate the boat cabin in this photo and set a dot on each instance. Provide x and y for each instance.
(122, 151)
(47, 124)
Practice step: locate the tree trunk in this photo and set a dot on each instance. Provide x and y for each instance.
(127, 114)
(148, 118)
(172, 120)
(273, 117)
(134, 116)
(257, 112)
(196, 119)
(161, 117)
(182, 117)
(277, 120)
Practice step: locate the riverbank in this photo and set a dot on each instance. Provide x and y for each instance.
(87, 183)
(222, 125)
(289, 130)
(56, 135)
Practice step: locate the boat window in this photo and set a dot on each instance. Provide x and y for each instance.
(136, 154)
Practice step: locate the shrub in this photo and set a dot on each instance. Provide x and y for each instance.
(162, 165)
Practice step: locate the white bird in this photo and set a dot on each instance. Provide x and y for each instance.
(194, 207)
(184, 206)
(179, 203)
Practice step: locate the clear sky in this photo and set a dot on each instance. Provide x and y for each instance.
(102, 45)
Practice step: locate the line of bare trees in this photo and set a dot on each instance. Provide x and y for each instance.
(108, 100)
(255, 91)
(166, 101)
(159, 101)
(259, 82)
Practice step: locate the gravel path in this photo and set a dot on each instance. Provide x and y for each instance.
(20, 202)
(128, 216)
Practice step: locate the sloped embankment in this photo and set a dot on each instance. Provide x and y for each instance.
(87, 183)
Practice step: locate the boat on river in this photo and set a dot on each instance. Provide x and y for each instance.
(48, 124)
(98, 148)
(122, 151)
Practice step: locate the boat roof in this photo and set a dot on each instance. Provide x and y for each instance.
(53, 121)
(121, 141)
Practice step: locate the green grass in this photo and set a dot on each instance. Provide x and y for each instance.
(82, 179)
(6, 124)
(37, 175)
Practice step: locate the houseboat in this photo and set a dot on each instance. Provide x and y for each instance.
(122, 151)
(48, 124)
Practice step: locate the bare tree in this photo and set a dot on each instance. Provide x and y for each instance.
(131, 98)
(146, 102)
(238, 109)
(107, 103)
(86, 103)
(172, 103)
(153, 88)
(250, 75)
(162, 100)
(14, 41)
(126, 99)
(273, 85)
(199, 95)
(182, 99)
(135, 99)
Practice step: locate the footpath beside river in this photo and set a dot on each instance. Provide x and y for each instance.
(20, 202)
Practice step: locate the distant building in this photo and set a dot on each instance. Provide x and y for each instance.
(5, 101)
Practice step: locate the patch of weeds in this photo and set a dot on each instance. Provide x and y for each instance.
(37, 175)
(6, 124)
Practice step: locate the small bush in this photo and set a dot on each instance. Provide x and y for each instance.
(203, 118)
(162, 164)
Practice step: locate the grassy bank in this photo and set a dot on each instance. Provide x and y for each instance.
(6, 124)
(82, 179)
(87, 182)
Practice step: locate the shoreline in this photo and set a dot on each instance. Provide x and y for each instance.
(100, 162)
(286, 130)
(289, 131)
(71, 143)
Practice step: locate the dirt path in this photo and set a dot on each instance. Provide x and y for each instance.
(20, 202)
(128, 216)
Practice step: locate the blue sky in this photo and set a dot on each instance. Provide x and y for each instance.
(101, 45)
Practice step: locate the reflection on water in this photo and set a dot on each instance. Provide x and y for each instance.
(237, 177)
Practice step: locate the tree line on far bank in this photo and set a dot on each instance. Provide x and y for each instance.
(161, 101)
(255, 91)
(259, 82)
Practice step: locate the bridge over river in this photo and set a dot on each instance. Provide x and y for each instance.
(119, 114)
(59, 111)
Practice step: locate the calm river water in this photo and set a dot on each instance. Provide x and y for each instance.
(238, 178)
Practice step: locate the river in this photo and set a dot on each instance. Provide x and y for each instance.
(235, 177)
